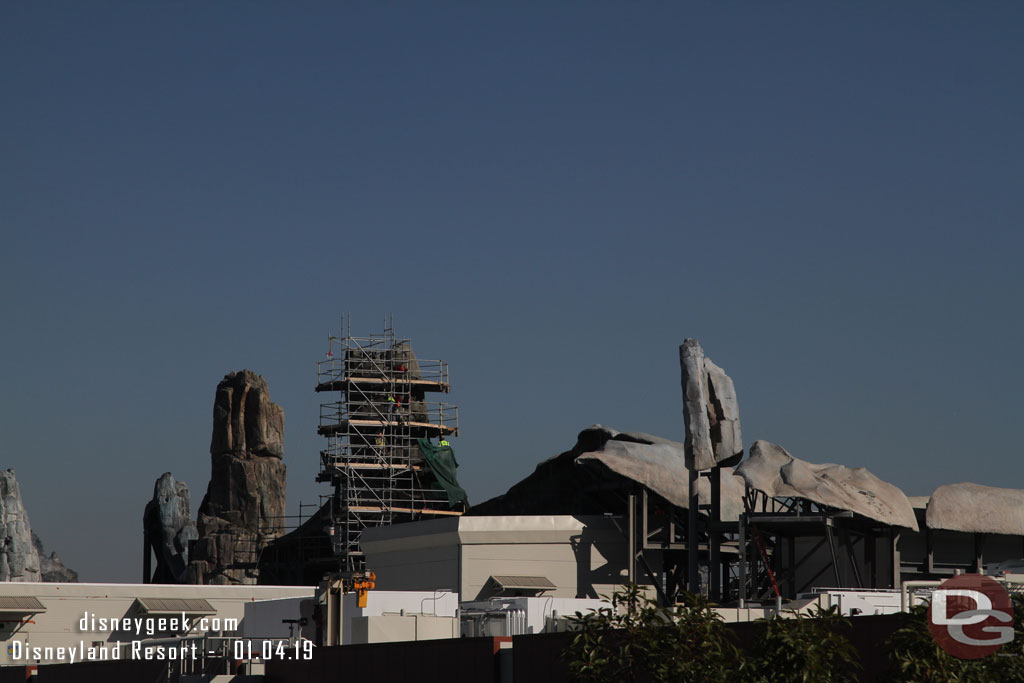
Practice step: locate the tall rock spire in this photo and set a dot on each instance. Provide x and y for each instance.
(19, 560)
(711, 412)
(244, 506)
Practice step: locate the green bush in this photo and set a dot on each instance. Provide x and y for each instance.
(917, 658)
(811, 649)
(635, 640)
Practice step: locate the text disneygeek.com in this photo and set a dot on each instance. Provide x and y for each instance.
(133, 648)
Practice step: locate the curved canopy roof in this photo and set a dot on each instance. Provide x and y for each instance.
(771, 469)
(660, 465)
(976, 509)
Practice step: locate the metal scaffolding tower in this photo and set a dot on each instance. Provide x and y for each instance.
(373, 459)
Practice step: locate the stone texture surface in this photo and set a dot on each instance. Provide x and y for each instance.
(723, 414)
(169, 529)
(574, 481)
(711, 411)
(19, 560)
(244, 506)
(660, 465)
(245, 421)
(978, 509)
(771, 469)
(51, 566)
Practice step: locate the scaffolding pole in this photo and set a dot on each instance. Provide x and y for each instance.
(377, 414)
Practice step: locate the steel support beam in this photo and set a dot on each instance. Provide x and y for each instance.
(692, 541)
(715, 536)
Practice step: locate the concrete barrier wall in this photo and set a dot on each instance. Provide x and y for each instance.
(136, 671)
(430, 661)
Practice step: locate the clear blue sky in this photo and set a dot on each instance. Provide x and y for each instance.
(549, 196)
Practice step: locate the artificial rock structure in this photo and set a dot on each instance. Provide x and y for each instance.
(22, 557)
(381, 458)
(581, 480)
(773, 471)
(244, 506)
(775, 527)
(19, 560)
(711, 411)
(169, 531)
(51, 567)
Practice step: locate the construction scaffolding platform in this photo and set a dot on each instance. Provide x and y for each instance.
(377, 428)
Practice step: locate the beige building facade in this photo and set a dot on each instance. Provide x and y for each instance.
(63, 622)
(580, 556)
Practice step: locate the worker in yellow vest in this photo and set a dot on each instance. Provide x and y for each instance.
(444, 443)
(395, 408)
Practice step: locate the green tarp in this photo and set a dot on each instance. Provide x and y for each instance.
(441, 460)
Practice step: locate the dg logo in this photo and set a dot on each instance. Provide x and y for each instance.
(971, 616)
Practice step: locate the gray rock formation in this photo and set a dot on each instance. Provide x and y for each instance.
(771, 469)
(244, 506)
(976, 509)
(169, 529)
(580, 480)
(19, 560)
(660, 465)
(245, 421)
(51, 566)
(711, 412)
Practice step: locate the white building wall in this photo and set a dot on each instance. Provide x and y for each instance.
(393, 628)
(266, 618)
(582, 556)
(399, 615)
(538, 611)
(67, 603)
(554, 561)
(410, 569)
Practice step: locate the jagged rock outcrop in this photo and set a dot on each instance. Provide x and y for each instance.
(245, 421)
(244, 506)
(976, 509)
(581, 480)
(19, 560)
(710, 410)
(169, 529)
(772, 470)
(51, 566)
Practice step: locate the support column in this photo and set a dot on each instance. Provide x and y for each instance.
(894, 540)
(871, 560)
(715, 536)
(743, 559)
(832, 550)
(692, 541)
(851, 553)
(631, 542)
(791, 558)
(979, 549)
(147, 567)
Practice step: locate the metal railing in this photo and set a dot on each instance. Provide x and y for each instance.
(433, 416)
(372, 458)
(334, 370)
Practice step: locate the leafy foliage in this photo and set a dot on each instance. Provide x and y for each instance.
(803, 648)
(636, 640)
(917, 658)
